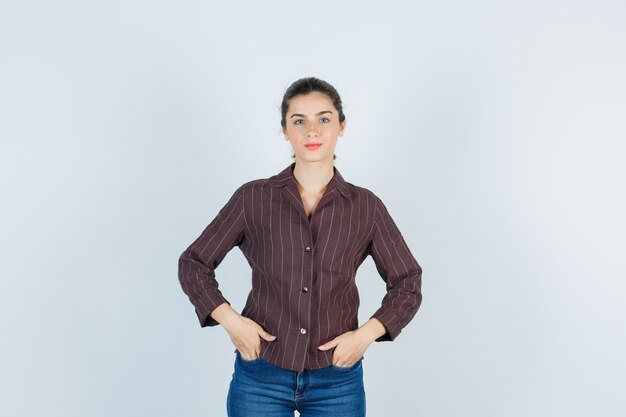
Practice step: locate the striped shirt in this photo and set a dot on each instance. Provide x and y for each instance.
(303, 270)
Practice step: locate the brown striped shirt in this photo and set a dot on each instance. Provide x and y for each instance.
(303, 271)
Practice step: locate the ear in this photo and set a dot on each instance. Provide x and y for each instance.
(343, 127)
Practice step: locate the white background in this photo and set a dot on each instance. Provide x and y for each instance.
(493, 131)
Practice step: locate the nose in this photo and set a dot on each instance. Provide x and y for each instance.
(313, 131)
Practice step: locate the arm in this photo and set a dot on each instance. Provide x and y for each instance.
(196, 265)
(403, 276)
(400, 271)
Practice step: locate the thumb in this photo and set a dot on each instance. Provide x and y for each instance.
(329, 345)
(265, 335)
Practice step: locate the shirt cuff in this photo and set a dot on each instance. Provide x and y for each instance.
(386, 318)
(206, 307)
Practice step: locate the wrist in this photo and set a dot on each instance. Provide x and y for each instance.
(373, 329)
(225, 315)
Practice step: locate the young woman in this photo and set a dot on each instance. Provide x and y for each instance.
(304, 232)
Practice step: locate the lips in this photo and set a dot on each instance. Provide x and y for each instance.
(313, 146)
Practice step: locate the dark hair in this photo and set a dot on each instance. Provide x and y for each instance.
(307, 85)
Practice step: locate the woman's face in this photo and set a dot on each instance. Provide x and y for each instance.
(313, 119)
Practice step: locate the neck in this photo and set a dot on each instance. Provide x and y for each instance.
(313, 176)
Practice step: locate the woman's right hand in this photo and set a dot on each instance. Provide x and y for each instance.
(244, 332)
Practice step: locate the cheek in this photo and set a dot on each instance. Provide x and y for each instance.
(331, 130)
(297, 128)
(291, 131)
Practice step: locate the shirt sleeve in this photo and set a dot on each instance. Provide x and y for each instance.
(400, 271)
(197, 264)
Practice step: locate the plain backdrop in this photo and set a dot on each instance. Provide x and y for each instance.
(494, 131)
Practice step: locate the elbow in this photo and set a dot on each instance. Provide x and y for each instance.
(416, 295)
(417, 282)
(185, 265)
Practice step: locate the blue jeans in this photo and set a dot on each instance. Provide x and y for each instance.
(260, 388)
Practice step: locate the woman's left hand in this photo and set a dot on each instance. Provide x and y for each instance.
(350, 346)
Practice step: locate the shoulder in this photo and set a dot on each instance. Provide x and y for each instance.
(248, 186)
(255, 189)
(363, 195)
(366, 197)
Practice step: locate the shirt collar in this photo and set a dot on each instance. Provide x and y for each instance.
(286, 175)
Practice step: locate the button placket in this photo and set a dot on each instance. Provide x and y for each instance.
(306, 249)
(308, 258)
(305, 289)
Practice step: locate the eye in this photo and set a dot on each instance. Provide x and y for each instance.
(325, 118)
(298, 120)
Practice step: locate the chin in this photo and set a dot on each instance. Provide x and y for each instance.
(315, 158)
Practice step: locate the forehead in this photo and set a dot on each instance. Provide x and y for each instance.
(311, 103)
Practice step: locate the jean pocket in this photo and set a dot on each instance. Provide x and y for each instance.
(346, 368)
(249, 361)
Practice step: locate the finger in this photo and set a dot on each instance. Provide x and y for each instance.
(329, 345)
(261, 331)
(265, 335)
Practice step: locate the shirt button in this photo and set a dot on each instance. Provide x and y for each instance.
(308, 249)
(305, 289)
(303, 331)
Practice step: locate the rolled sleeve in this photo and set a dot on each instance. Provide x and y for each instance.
(197, 264)
(399, 269)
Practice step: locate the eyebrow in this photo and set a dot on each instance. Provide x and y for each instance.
(318, 114)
